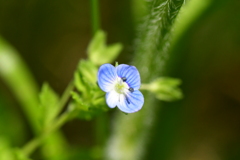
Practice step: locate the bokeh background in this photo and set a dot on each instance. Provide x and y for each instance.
(52, 36)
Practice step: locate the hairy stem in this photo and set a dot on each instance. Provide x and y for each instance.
(129, 141)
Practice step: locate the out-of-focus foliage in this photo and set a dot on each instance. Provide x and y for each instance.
(5, 150)
(164, 88)
(17, 76)
(205, 56)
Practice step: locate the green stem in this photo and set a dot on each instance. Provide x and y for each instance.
(95, 16)
(32, 145)
(65, 97)
(36, 142)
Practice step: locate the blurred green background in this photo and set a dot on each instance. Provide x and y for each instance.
(51, 36)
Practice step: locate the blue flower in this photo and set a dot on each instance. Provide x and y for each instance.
(121, 84)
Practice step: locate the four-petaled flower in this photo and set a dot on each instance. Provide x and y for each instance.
(121, 84)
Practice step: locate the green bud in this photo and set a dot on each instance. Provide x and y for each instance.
(89, 98)
(99, 53)
(88, 108)
(166, 89)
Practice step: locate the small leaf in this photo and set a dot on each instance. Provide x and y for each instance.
(88, 71)
(78, 82)
(111, 53)
(48, 103)
(97, 43)
(97, 46)
(99, 53)
(77, 98)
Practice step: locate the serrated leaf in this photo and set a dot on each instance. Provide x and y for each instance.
(76, 97)
(48, 103)
(89, 99)
(81, 105)
(78, 82)
(85, 79)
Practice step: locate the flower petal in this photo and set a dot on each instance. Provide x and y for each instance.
(131, 74)
(112, 99)
(132, 102)
(106, 77)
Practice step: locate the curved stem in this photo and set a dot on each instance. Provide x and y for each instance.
(65, 97)
(36, 142)
(33, 144)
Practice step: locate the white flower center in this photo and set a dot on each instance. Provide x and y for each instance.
(120, 86)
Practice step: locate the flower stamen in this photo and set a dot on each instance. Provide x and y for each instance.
(124, 79)
(131, 89)
(120, 86)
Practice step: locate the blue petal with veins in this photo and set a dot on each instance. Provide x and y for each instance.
(121, 85)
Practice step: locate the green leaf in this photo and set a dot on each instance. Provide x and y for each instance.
(89, 98)
(85, 78)
(88, 71)
(88, 107)
(78, 82)
(48, 103)
(165, 88)
(110, 53)
(99, 53)
(97, 43)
